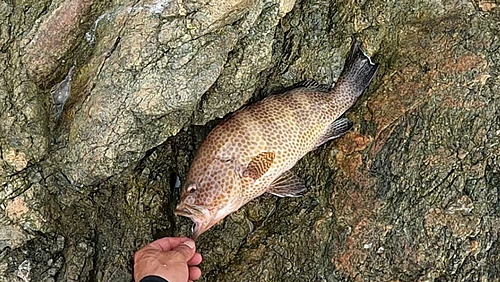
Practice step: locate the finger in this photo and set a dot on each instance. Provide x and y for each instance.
(195, 260)
(186, 250)
(167, 243)
(194, 273)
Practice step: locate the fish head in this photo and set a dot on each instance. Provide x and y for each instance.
(210, 195)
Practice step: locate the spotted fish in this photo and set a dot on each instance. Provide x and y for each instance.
(251, 152)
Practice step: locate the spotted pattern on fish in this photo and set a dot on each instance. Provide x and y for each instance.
(246, 154)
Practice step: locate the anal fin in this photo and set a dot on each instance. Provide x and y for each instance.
(287, 185)
(335, 130)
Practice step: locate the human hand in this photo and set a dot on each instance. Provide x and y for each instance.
(174, 259)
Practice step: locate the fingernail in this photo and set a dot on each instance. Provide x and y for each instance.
(189, 243)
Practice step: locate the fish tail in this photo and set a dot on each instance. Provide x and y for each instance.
(358, 72)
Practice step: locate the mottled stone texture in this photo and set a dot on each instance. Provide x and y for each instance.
(411, 194)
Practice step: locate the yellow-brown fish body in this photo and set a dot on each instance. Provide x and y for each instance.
(252, 151)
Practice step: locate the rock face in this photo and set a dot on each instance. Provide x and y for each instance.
(102, 106)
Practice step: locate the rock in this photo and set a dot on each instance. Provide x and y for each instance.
(102, 107)
(53, 40)
(189, 53)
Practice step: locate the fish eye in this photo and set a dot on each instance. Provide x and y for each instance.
(191, 189)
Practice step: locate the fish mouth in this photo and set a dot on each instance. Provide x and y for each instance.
(202, 218)
(197, 215)
(188, 211)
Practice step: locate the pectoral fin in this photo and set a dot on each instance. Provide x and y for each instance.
(335, 130)
(287, 185)
(259, 165)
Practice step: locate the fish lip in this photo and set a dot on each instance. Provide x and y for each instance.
(183, 212)
(188, 211)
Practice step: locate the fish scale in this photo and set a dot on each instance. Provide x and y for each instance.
(252, 150)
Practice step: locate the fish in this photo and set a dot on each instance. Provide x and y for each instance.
(252, 151)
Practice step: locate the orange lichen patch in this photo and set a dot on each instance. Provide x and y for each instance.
(352, 166)
(402, 91)
(379, 143)
(360, 247)
(357, 210)
(346, 260)
(353, 142)
(414, 79)
(360, 227)
(464, 102)
(349, 158)
(460, 225)
(413, 84)
(462, 64)
(349, 164)
(16, 208)
(355, 206)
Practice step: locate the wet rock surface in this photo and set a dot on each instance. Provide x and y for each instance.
(101, 116)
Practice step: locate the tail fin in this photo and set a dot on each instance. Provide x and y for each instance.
(358, 71)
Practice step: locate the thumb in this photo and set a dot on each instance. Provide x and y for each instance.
(186, 250)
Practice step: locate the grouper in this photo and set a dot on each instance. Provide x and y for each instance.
(252, 151)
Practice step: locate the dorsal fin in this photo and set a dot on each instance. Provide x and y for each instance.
(314, 85)
(259, 165)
